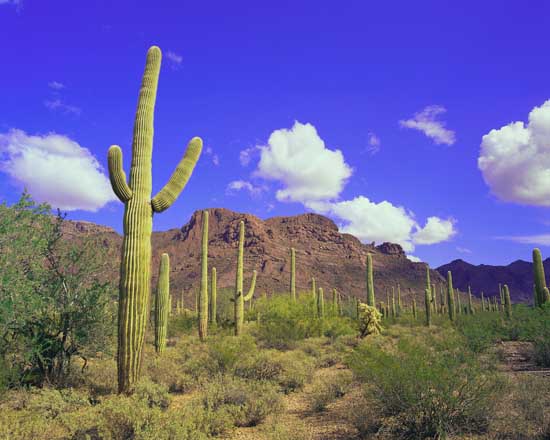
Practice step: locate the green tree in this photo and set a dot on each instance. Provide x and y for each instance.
(54, 304)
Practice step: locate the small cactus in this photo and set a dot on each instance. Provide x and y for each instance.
(369, 320)
(507, 302)
(162, 299)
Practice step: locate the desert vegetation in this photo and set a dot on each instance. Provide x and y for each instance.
(298, 364)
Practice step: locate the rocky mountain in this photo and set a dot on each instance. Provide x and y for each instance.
(485, 278)
(336, 260)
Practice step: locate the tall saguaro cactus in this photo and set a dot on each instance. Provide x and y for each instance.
(370, 282)
(451, 297)
(320, 303)
(240, 297)
(135, 268)
(162, 303)
(507, 301)
(213, 297)
(203, 293)
(293, 274)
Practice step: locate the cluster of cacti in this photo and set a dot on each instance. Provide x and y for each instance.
(162, 303)
(541, 292)
(240, 297)
(203, 292)
(135, 270)
(369, 320)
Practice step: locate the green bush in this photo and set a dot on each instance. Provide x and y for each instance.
(428, 386)
(247, 402)
(541, 354)
(328, 389)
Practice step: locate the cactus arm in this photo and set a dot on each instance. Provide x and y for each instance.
(167, 195)
(117, 175)
(250, 293)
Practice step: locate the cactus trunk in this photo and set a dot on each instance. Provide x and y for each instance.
(371, 301)
(240, 297)
(162, 300)
(320, 303)
(213, 298)
(450, 297)
(203, 294)
(470, 302)
(540, 279)
(507, 302)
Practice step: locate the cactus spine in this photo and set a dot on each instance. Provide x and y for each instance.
(203, 293)
(450, 297)
(135, 272)
(540, 280)
(213, 297)
(240, 298)
(293, 274)
(371, 301)
(162, 299)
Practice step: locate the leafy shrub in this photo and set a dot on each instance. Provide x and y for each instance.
(428, 387)
(541, 354)
(327, 389)
(154, 394)
(247, 402)
(168, 371)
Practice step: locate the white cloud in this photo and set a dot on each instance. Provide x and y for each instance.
(174, 59)
(463, 250)
(57, 104)
(10, 2)
(55, 169)
(541, 239)
(239, 185)
(414, 259)
(425, 121)
(436, 230)
(374, 143)
(215, 158)
(56, 85)
(515, 159)
(299, 160)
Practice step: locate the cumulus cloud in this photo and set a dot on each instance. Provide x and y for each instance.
(55, 85)
(240, 185)
(55, 169)
(541, 239)
(515, 159)
(426, 122)
(374, 143)
(436, 230)
(215, 158)
(174, 59)
(300, 161)
(58, 104)
(414, 259)
(383, 221)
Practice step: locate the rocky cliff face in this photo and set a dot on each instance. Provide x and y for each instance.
(334, 259)
(485, 278)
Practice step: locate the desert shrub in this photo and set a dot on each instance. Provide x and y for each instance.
(329, 388)
(541, 354)
(154, 394)
(168, 371)
(100, 376)
(247, 402)
(183, 324)
(428, 386)
(364, 416)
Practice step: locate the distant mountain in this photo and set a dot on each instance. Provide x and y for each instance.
(336, 260)
(485, 278)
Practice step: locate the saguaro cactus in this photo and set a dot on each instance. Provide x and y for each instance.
(334, 301)
(459, 302)
(482, 302)
(240, 298)
(507, 301)
(371, 301)
(320, 303)
(135, 269)
(162, 300)
(203, 293)
(213, 297)
(415, 313)
(540, 280)
(293, 274)
(393, 305)
(428, 305)
(470, 303)
(450, 297)
(399, 303)
(314, 296)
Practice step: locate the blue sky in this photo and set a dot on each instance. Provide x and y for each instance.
(422, 123)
